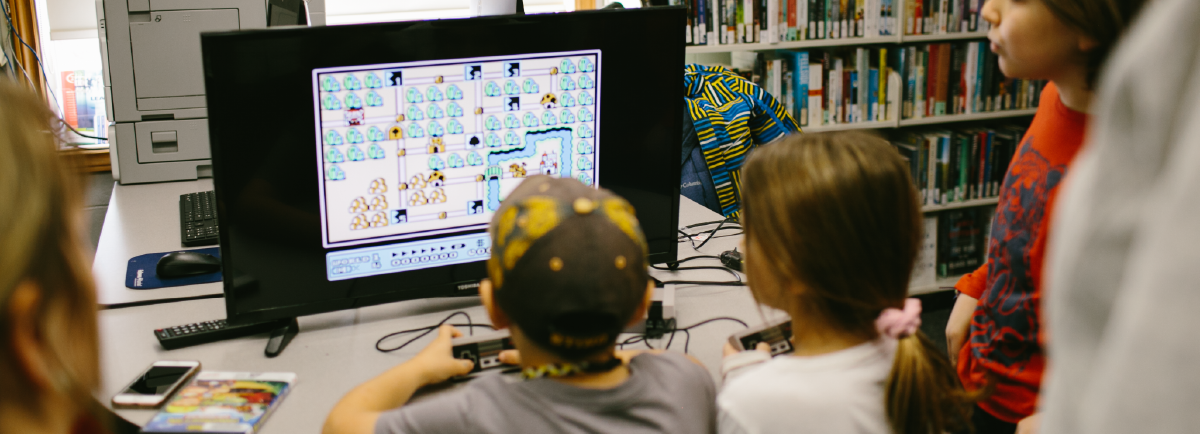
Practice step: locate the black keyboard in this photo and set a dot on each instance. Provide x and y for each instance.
(198, 219)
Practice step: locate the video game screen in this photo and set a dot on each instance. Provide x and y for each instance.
(420, 149)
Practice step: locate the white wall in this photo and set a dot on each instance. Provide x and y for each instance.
(76, 19)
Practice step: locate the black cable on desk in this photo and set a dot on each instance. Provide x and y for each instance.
(429, 329)
(674, 266)
(686, 331)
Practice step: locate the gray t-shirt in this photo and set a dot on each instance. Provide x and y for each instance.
(664, 393)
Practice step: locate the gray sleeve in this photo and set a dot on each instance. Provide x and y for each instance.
(445, 413)
(681, 368)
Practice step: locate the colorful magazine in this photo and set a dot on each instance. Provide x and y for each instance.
(222, 402)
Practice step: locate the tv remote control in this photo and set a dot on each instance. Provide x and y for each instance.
(210, 331)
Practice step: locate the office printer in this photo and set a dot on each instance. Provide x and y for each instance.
(154, 79)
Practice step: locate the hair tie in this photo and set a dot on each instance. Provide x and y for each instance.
(898, 324)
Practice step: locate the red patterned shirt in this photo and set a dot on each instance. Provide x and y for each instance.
(1006, 341)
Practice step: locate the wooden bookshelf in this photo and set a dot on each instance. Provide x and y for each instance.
(824, 43)
(941, 284)
(967, 117)
(942, 37)
(849, 126)
(963, 204)
(932, 120)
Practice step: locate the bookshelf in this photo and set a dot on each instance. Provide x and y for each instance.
(933, 120)
(825, 43)
(941, 282)
(964, 204)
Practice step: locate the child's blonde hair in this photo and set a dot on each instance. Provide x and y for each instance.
(40, 230)
(837, 213)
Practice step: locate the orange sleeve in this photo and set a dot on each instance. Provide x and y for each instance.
(973, 283)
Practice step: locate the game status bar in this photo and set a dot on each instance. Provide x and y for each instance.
(399, 257)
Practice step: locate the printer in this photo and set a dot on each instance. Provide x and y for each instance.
(154, 78)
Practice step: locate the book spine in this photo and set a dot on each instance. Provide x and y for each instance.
(880, 114)
(801, 86)
(836, 92)
(793, 16)
(851, 97)
(922, 167)
(895, 84)
(786, 81)
(816, 94)
(863, 98)
(756, 21)
(805, 21)
(969, 78)
(964, 166)
(688, 29)
(944, 168)
(909, 76)
(920, 62)
(943, 78)
(764, 15)
(953, 168)
(931, 76)
(872, 106)
(935, 193)
(954, 80)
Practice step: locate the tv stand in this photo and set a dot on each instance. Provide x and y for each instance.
(281, 337)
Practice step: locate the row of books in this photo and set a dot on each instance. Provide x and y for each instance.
(961, 240)
(849, 85)
(949, 166)
(954, 243)
(720, 22)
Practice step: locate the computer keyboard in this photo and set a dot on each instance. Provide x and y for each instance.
(198, 219)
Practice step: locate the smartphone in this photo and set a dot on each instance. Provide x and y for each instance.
(155, 384)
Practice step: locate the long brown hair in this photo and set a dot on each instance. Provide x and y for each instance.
(1105, 21)
(41, 232)
(837, 213)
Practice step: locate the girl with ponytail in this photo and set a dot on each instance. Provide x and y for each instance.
(833, 227)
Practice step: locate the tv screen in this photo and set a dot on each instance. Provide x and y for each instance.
(358, 165)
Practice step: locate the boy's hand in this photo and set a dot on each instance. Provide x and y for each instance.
(435, 363)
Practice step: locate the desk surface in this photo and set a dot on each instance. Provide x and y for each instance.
(336, 351)
(142, 219)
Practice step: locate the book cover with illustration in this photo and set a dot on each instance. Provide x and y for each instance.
(216, 402)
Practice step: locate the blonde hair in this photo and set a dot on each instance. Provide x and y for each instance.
(837, 213)
(41, 232)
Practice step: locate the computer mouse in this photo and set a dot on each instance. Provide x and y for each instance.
(184, 264)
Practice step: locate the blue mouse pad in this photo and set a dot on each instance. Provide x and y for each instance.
(141, 273)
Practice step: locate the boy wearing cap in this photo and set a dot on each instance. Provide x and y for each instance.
(567, 274)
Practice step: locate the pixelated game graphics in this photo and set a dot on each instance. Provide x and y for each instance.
(415, 149)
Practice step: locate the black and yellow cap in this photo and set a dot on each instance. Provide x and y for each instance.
(568, 264)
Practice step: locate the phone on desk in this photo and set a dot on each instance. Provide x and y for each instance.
(155, 384)
(777, 334)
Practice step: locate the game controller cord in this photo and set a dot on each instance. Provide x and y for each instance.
(429, 329)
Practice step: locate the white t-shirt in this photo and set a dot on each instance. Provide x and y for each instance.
(840, 392)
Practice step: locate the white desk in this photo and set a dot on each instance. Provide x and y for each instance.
(336, 351)
(142, 219)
